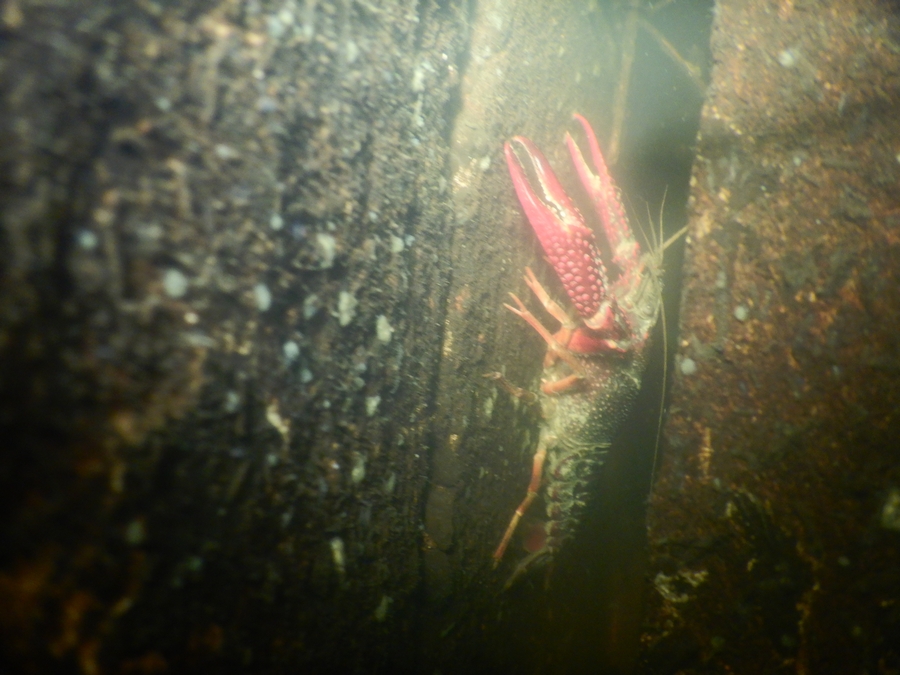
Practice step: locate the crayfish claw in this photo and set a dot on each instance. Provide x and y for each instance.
(518, 302)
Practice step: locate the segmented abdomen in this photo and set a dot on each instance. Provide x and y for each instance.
(583, 425)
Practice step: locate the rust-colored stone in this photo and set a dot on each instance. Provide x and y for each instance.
(770, 548)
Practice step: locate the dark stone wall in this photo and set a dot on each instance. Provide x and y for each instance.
(221, 315)
(773, 525)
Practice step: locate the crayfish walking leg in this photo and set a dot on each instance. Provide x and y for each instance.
(537, 472)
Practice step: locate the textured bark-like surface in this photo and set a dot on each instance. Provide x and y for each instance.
(222, 287)
(774, 526)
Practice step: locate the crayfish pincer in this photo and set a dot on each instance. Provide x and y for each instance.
(596, 358)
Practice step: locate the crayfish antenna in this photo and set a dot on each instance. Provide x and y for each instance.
(665, 340)
(532, 561)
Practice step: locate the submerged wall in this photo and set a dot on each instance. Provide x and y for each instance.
(224, 227)
(774, 534)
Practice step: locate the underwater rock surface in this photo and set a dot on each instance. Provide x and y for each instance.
(773, 536)
(221, 317)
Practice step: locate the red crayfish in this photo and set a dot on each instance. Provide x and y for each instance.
(596, 359)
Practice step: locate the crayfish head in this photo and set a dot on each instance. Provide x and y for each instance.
(642, 301)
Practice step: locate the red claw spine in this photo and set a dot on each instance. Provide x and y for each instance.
(595, 360)
(567, 241)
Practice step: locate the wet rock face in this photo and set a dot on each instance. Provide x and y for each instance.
(220, 311)
(768, 533)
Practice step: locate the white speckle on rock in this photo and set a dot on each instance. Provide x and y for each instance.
(890, 511)
(135, 532)
(286, 16)
(396, 244)
(194, 563)
(688, 366)
(484, 163)
(346, 307)
(149, 235)
(308, 20)
(369, 246)
(275, 27)
(265, 104)
(87, 240)
(358, 470)
(287, 517)
(384, 606)
(276, 222)
(383, 329)
(418, 79)
(226, 152)
(372, 404)
(787, 58)
(741, 312)
(721, 280)
(352, 51)
(337, 555)
(232, 401)
(311, 305)
(674, 588)
(326, 245)
(263, 297)
(306, 376)
(489, 407)
(291, 351)
(198, 340)
(175, 284)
